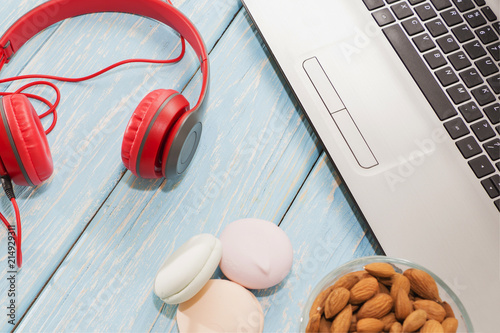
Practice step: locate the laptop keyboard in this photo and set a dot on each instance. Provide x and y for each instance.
(452, 50)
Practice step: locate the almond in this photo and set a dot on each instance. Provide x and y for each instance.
(362, 274)
(385, 281)
(422, 284)
(448, 309)
(432, 326)
(396, 328)
(414, 321)
(318, 305)
(342, 322)
(363, 290)
(399, 281)
(388, 320)
(376, 307)
(347, 281)
(336, 301)
(354, 322)
(383, 289)
(450, 325)
(313, 324)
(371, 325)
(324, 325)
(403, 306)
(433, 309)
(380, 269)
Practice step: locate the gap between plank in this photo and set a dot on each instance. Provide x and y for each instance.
(301, 186)
(114, 187)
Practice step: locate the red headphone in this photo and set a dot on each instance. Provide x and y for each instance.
(163, 133)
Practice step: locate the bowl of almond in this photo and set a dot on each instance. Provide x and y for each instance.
(382, 294)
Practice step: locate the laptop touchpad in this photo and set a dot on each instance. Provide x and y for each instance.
(340, 115)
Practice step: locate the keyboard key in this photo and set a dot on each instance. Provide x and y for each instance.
(459, 60)
(402, 10)
(435, 59)
(498, 129)
(490, 188)
(391, 1)
(463, 33)
(475, 18)
(446, 76)
(471, 77)
(412, 26)
(441, 4)
(481, 166)
(419, 71)
(497, 204)
(496, 26)
(480, 2)
(482, 130)
(463, 5)
(456, 128)
(493, 113)
(486, 66)
(436, 27)
(468, 147)
(486, 35)
(474, 49)
(372, 4)
(458, 94)
(494, 50)
(424, 42)
(470, 111)
(383, 17)
(452, 17)
(414, 2)
(493, 148)
(425, 12)
(483, 95)
(496, 181)
(494, 83)
(447, 44)
(488, 12)
(497, 164)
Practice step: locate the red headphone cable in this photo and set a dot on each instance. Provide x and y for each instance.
(5, 179)
(9, 191)
(52, 107)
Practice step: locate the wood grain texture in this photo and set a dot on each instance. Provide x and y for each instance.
(93, 115)
(247, 147)
(110, 231)
(326, 231)
(11, 10)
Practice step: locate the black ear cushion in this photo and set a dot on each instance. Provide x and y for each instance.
(25, 149)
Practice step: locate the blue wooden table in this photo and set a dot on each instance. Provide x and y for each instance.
(95, 235)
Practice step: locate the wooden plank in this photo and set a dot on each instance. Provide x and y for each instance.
(326, 231)
(93, 115)
(256, 152)
(11, 11)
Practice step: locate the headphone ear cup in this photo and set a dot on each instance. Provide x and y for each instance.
(148, 129)
(181, 145)
(24, 150)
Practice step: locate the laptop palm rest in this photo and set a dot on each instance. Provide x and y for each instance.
(340, 115)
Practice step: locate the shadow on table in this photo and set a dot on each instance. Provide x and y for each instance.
(355, 208)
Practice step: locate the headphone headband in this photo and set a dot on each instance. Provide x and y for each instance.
(54, 11)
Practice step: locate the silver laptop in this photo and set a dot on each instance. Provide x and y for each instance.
(404, 96)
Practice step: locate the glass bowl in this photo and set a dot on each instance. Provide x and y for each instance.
(400, 265)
